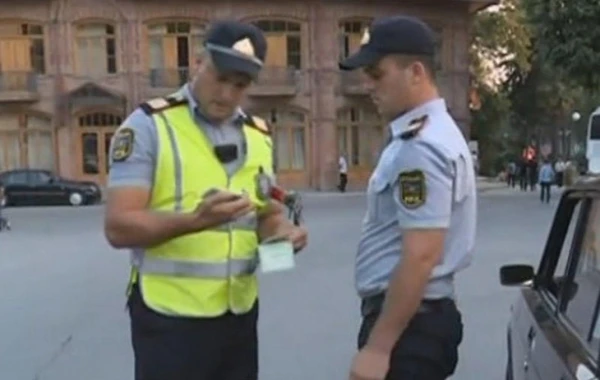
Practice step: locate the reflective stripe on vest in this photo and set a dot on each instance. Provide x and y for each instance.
(177, 268)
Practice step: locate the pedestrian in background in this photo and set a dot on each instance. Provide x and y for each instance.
(546, 178)
(343, 169)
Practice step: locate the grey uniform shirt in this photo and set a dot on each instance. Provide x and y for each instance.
(438, 154)
(138, 168)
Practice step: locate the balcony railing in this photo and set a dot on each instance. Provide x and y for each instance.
(274, 81)
(18, 86)
(18, 81)
(169, 78)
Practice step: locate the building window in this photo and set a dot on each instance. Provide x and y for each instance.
(96, 49)
(351, 33)
(100, 119)
(22, 48)
(360, 136)
(284, 43)
(26, 141)
(172, 49)
(289, 138)
(439, 48)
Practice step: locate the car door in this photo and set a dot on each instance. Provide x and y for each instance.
(15, 187)
(533, 329)
(44, 190)
(564, 313)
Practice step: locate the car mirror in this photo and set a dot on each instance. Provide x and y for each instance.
(516, 275)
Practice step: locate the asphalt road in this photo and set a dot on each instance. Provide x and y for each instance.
(62, 293)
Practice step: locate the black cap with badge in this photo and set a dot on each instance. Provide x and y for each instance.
(392, 35)
(236, 47)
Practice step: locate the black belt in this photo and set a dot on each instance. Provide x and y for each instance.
(373, 304)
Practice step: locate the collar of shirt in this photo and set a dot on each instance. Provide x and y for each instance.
(398, 125)
(236, 119)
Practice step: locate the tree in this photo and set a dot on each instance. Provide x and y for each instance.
(500, 47)
(568, 37)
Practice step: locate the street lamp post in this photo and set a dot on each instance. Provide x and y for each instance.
(575, 116)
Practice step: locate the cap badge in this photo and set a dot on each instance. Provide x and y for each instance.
(245, 47)
(366, 37)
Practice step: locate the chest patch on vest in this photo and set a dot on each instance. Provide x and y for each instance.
(412, 188)
(122, 144)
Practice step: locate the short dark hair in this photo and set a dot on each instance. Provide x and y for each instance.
(427, 61)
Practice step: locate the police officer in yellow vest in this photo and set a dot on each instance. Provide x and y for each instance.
(183, 196)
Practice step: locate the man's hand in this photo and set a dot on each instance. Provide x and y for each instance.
(297, 235)
(370, 364)
(221, 207)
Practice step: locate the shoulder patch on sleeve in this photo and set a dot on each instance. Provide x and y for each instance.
(412, 188)
(258, 124)
(122, 145)
(161, 104)
(414, 127)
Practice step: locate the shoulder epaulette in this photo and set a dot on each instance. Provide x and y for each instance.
(414, 127)
(258, 123)
(161, 104)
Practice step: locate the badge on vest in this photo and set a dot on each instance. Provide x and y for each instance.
(122, 144)
(412, 187)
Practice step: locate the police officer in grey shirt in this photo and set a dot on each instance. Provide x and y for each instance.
(419, 229)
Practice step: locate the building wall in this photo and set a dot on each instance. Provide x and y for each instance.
(313, 102)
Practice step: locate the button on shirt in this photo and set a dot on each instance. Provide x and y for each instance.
(440, 152)
(138, 168)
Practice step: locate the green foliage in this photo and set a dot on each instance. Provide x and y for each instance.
(567, 36)
(501, 47)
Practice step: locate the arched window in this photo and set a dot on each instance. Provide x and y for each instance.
(21, 55)
(99, 119)
(172, 47)
(284, 43)
(289, 138)
(360, 136)
(350, 34)
(96, 49)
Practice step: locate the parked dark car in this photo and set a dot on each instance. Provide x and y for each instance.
(33, 187)
(554, 329)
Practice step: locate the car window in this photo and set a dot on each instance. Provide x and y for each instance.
(39, 177)
(582, 298)
(16, 178)
(559, 272)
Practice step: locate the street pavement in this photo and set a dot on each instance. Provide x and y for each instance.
(62, 305)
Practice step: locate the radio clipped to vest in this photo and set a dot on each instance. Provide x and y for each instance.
(267, 189)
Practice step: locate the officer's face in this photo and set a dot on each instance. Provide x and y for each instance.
(219, 94)
(393, 85)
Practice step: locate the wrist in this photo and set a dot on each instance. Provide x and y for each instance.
(383, 337)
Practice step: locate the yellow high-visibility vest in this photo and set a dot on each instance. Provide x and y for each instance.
(208, 273)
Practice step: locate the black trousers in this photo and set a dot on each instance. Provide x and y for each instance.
(173, 348)
(428, 348)
(343, 182)
(545, 191)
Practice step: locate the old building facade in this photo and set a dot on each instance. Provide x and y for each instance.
(71, 71)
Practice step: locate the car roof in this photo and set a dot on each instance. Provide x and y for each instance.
(587, 184)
